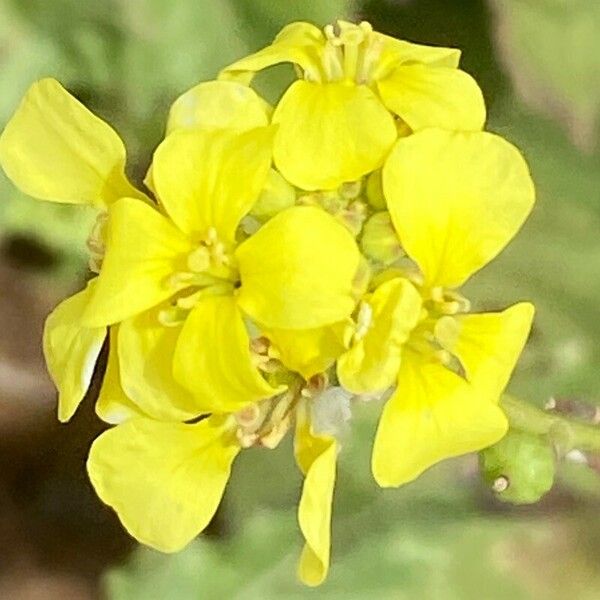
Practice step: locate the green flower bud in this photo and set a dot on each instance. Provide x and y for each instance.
(375, 191)
(519, 468)
(276, 196)
(379, 240)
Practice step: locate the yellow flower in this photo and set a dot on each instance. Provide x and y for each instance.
(181, 284)
(337, 122)
(165, 479)
(414, 331)
(55, 149)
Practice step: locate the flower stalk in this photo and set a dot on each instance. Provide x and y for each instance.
(565, 432)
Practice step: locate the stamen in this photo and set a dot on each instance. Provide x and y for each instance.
(364, 320)
(199, 260)
(171, 317)
(352, 54)
(332, 62)
(449, 302)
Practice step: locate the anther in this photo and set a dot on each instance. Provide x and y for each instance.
(171, 317)
(199, 260)
(363, 320)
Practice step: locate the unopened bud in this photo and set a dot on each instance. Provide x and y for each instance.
(519, 468)
(276, 196)
(379, 240)
(375, 191)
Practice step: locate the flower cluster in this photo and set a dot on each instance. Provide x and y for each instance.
(281, 263)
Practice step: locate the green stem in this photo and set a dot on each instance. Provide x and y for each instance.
(565, 431)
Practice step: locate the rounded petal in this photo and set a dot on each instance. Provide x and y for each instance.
(487, 345)
(456, 199)
(55, 149)
(434, 414)
(113, 406)
(298, 43)
(396, 52)
(210, 179)
(309, 351)
(424, 96)
(219, 105)
(330, 133)
(316, 456)
(71, 351)
(372, 363)
(164, 480)
(146, 352)
(213, 359)
(143, 249)
(298, 270)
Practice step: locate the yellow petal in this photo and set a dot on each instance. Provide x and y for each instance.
(403, 52)
(113, 406)
(434, 414)
(309, 351)
(316, 456)
(373, 361)
(456, 199)
(219, 105)
(71, 351)
(424, 96)
(330, 133)
(298, 43)
(146, 351)
(297, 271)
(488, 345)
(164, 480)
(143, 249)
(55, 149)
(213, 359)
(211, 178)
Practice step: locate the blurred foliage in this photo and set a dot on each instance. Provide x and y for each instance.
(552, 51)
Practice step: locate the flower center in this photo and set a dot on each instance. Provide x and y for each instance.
(351, 53)
(439, 307)
(210, 270)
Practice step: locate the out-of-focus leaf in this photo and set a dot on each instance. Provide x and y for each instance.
(414, 558)
(552, 51)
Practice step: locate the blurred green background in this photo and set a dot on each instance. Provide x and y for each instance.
(442, 537)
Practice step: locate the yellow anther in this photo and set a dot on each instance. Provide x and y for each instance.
(211, 235)
(449, 302)
(199, 260)
(363, 321)
(188, 302)
(443, 356)
(351, 54)
(329, 32)
(272, 438)
(171, 317)
(177, 280)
